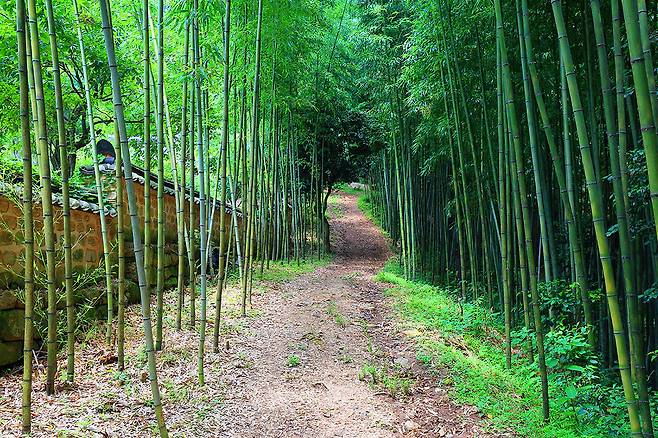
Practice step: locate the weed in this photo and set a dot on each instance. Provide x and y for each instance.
(346, 358)
(462, 338)
(392, 381)
(293, 361)
(339, 318)
(175, 392)
(243, 361)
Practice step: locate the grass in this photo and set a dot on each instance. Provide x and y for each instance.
(467, 342)
(293, 361)
(391, 380)
(345, 188)
(282, 271)
(339, 318)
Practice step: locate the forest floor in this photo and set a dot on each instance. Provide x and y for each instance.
(319, 355)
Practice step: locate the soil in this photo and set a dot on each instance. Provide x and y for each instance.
(290, 369)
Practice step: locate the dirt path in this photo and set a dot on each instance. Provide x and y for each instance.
(291, 369)
(323, 396)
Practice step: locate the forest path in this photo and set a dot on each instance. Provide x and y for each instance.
(336, 321)
(289, 369)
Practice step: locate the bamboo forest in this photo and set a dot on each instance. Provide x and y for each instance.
(328, 218)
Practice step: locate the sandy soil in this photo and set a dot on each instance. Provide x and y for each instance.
(331, 321)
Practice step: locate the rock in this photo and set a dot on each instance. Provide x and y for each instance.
(132, 292)
(402, 362)
(10, 352)
(12, 323)
(9, 300)
(410, 425)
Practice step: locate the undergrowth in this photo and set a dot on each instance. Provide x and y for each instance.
(345, 188)
(281, 271)
(466, 339)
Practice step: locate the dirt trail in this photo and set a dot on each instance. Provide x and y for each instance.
(323, 397)
(329, 323)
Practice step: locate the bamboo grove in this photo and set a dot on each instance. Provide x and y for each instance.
(521, 167)
(227, 109)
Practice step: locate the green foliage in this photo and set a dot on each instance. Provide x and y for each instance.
(293, 361)
(392, 380)
(339, 318)
(282, 271)
(465, 340)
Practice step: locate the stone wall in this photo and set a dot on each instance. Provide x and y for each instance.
(87, 254)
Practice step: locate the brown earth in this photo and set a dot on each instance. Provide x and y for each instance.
(291, 369)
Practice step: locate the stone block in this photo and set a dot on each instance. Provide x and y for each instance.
(8, 300)
(10, 352)
(12, 324)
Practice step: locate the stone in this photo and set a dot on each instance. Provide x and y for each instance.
(12, 324)
(132, 292)
(402, 362)
(9, 300)
(10, 352)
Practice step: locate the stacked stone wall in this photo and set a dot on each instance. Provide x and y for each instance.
(87, 256)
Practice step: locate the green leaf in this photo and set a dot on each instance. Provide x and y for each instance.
(552, 362)
(571, 391)
(575, 368)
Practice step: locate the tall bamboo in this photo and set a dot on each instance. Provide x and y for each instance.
(121, 252)
(222, 195)
(643, 78)
(28, 224)
(628, 266)
(99, 183)
(575, 240)
(134, 218)
(160, 133)
(529, 247)
(180, 207)
(66, 206)
(202, 194)
(46, 198)
(598, 218)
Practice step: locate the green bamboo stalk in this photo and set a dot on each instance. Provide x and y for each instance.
(28, 223)
(146, 141)
(531, 118)
(566, 189)
(99, 183)
(628, 266)
(121, 250)
(46, 199)
(620, 100)
(203, 218)
(180, 207)
(456, 193)
(598, 218)
(222, 195)
(159, 122)
(643, 78)
(192, 214)
(502, 209)
(134, 218)
(66, 206)
(529, 247)
(249, 252)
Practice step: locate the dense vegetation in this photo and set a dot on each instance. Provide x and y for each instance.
(521, 167)
(510, 149)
